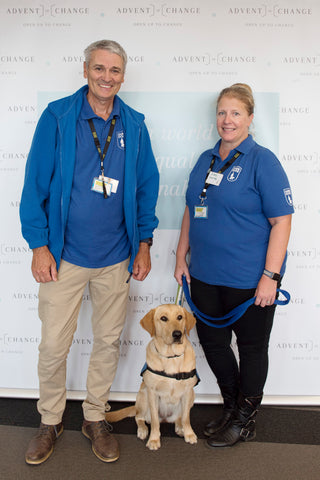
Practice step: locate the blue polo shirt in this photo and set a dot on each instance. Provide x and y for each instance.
(96, 234)
(229, 246)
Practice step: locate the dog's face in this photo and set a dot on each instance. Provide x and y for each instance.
(169, 322)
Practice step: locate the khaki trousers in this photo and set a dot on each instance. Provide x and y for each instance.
(59, 306)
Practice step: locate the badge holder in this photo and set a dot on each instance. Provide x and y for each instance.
(100, 186)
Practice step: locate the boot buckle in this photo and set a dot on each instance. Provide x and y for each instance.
(247, 430)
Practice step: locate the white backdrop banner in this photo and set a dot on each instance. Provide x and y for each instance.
(180, 55)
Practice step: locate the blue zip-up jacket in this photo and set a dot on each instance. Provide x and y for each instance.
(49, 174)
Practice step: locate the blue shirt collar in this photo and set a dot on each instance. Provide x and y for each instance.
(87, 112)
(244, 146)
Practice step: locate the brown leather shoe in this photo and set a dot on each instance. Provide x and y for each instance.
(104, 445)
(41, 445)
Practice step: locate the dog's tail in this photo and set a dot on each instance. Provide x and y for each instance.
(118, 415)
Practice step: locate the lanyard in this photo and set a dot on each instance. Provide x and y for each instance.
(106, 146)
(203, 195)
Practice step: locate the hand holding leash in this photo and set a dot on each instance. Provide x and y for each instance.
(230, 317)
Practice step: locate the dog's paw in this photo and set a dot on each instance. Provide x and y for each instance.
(191, 438)
(179, 431)
(142, 432)
(154, 444)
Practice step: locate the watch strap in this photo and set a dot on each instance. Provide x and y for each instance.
(148, 241)
(272, 275)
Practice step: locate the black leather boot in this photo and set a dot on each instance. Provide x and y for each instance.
(229, 395)
(241, 427)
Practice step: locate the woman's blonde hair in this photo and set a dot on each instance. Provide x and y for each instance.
(242, 92)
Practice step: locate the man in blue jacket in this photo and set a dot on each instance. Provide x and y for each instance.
(88, 213)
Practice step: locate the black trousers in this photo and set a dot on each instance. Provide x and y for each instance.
(252, 333)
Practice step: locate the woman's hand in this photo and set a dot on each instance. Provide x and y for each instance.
(180, 270)
(266, 291)
(277, 246)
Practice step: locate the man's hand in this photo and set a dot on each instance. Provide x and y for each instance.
(43, 267)
(142, 262)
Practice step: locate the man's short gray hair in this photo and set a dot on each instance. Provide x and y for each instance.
(109, 45)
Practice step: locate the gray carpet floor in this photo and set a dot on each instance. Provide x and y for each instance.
(73, 460)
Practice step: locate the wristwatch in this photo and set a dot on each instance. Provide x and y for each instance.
(272, 275)
(148, 241)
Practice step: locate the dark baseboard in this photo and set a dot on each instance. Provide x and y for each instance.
(276, 425)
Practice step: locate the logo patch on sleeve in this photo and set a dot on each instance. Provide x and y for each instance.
(288, 196)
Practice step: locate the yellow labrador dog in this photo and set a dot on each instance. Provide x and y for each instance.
(166, 393)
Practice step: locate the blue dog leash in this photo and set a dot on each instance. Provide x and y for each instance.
(230, 317)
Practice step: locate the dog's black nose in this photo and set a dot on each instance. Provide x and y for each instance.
(176, 334)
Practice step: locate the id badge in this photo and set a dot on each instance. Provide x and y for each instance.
(98, 187)
(214, 178)
(201, 211)
(114, 183)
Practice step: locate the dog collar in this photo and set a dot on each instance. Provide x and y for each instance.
(177, 376)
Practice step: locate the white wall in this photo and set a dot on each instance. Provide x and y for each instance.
(181, 54)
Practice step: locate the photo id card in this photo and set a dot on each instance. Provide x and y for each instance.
(200, 211)
(114, 183)
(98, 187)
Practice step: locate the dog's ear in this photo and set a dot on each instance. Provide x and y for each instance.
(147, 322)
(190, 321)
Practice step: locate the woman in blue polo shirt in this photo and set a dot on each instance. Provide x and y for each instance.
(236, 227)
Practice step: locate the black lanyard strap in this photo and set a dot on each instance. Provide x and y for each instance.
(223, 169)
(106, 146)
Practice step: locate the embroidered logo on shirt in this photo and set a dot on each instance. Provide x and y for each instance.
(288, 196)
(120, 140)
(234, 174)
